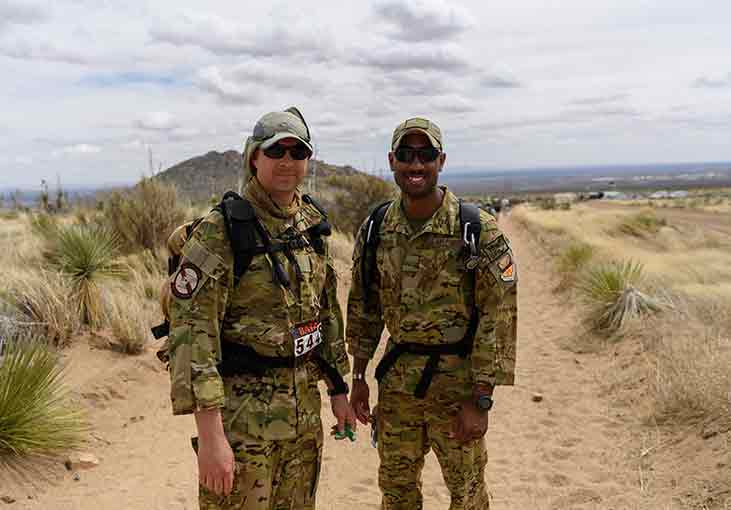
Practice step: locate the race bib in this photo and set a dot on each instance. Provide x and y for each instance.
(307, 336)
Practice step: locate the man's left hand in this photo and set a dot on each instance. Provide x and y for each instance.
(469, 424)
(343, 412)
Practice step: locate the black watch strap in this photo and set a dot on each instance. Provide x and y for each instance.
(338, 390)
(484, 403)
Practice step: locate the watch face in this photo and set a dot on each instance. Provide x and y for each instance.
(484, 402)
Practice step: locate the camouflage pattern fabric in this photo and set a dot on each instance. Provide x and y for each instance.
(408, 427)
(423, 293)
(283, 406)
(271, 475)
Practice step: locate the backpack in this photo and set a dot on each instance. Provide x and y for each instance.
(243, 230)
(470, 227)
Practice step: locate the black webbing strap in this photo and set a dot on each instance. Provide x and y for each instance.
(463, 348)
(371, 238)
(238, 359)
(470, 228)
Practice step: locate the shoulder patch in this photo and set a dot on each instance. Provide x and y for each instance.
(203, 259)
(496, 249)
(186, 281)
(506, 265)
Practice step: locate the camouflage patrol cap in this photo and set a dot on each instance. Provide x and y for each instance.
(418, 125)
(271, 128)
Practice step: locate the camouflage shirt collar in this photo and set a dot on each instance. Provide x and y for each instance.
(260, 199)
(445, 220)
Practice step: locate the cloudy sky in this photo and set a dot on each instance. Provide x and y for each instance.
(88, 85)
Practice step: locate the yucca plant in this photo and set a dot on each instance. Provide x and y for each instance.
(614, 300)
(37, 418)
(86, 255)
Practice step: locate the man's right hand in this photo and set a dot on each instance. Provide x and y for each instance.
(359, 396)
(216, 465)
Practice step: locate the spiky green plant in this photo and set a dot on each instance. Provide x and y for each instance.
(86, 255)
(37, 418)
(613, 298)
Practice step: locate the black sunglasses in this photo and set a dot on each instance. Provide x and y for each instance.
(425, 154)
(297, 152)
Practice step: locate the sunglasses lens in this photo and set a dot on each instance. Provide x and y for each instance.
(428, 155)
(405, 154)
(276, 151)
(299, 152)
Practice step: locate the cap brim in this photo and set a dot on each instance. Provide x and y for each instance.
(281, 136)
(434, 142)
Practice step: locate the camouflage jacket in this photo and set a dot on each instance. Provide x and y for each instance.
(423, 293)
(257, 313)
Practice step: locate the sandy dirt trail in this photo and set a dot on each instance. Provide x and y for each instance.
(568, 451)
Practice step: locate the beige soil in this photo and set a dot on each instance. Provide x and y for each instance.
(576, 449)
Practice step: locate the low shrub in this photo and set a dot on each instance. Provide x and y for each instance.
(144, 216)
(571, 261)
(613, 298)
(642, 224)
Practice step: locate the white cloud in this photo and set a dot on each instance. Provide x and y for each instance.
(423, 56)
(423, 20)
(243, 38)
(79, 148)
(14, 12)
(157, 121)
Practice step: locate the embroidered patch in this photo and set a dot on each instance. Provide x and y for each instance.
(507, 274)
(505, 262)
(496, 249)
(186, 281)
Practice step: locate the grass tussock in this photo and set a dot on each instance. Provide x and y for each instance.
(37, 418)
(571, 262)
(643, 224)
(129, 321)
(146, 273)
(86, 256)
(144, 216)
(41, 302)
(613, 298)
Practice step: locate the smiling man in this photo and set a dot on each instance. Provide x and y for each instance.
(442, 278)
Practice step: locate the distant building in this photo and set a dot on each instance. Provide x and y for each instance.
(566, 198)
(615, 195)
(679, 194)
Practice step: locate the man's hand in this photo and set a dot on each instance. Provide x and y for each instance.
(469, 424)
(215, 457)
(343, 412)
(359, 395)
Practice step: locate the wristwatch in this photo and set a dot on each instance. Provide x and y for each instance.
(484, 403)
(338, 391)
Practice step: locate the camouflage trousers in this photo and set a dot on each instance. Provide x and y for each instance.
(408, 427)
(271, 475)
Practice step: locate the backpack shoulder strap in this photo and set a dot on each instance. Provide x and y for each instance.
(371, 238)
(470, 229)
(241, 229)
(314, 203)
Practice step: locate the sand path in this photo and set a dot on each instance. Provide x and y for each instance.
(566, 452)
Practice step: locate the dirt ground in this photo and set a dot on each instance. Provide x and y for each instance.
(575, 449)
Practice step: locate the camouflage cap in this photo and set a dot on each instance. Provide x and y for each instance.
(418, 125)
(271, 128)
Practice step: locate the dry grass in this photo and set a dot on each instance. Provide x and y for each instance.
(42, 302)
(129, 319)
(687, 349)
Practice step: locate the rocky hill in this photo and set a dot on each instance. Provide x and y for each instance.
(344, 191)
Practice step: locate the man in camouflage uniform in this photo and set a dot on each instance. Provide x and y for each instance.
(260, 438)
(423, 291)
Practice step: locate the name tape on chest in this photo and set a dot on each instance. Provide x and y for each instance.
(306, 336)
